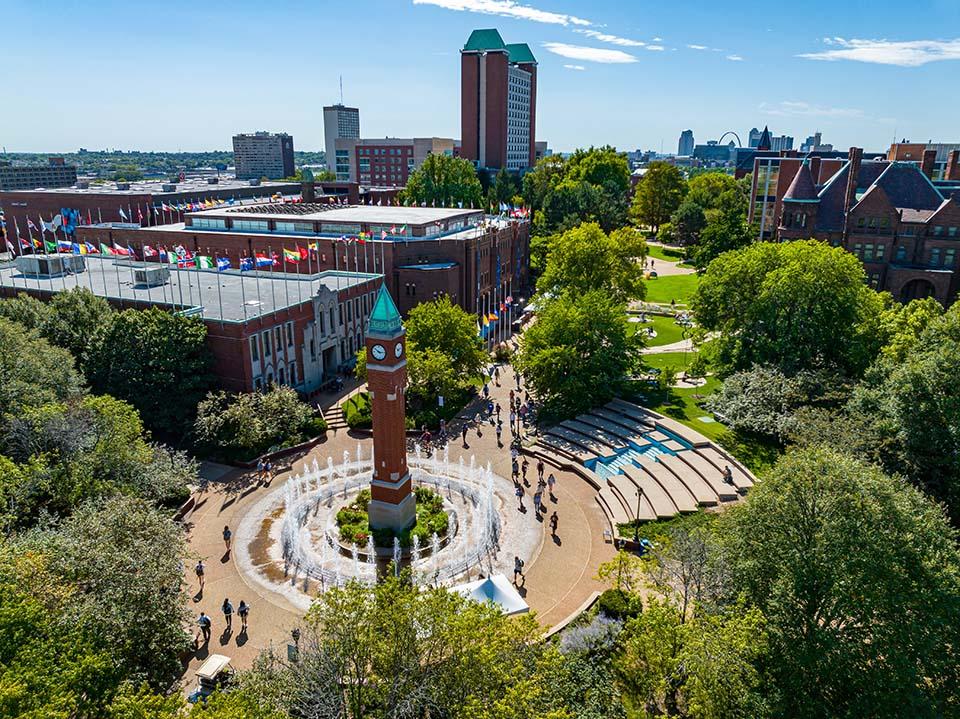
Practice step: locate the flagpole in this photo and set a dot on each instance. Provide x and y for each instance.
(273, 297)
(243, 293)
(119, 286)
(144, 256)
(286, 285)
(163, 286)
(219, 292)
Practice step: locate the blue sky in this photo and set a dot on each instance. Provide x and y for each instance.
(187, 75)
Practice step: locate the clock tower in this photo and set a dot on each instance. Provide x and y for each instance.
(392, 504)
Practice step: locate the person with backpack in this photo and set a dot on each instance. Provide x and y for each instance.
(244, 610)
(203, 621)
(199, 571)
(227, 609)
(227, 534)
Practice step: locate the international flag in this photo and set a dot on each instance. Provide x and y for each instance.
(362, 238)
(401, 231)
(246, 264)
(50, 246)
(493, 317)
(148, 251)
(64, 246)
(205, 262)
(10, 247)
(89, 217)
(24, 245)
(223, 263)
(186, 262)
(383, 234)
(104, 250)
(302, 252)
(486, 321)
(508, 299)
(88, 249)
(139, 214)
(36, 243)
(291, 256)
(130, 252)
(123, 215)
(78, 249)
(118, 250)
(314, 247)
(263, 260)
(162, 254)
(31, 226)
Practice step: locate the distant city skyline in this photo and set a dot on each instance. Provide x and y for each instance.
(609, 72)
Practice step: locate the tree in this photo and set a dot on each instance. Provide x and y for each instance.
(397, 650)
(158, 362)
(504, 188)
(443, 181)
(75, 322)
(658, 194)
(25, 310)
(32, 371)
(903, 325)
(445, 327)
(857, 577)
(724, 231)
(687, 222)
(539, 181)
(718, 191)
(585, 258)
(125, 560)
(578, 353)
(796, 305)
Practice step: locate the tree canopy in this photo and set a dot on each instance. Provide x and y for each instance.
(794, 305)
(443, 181)
(658, 194)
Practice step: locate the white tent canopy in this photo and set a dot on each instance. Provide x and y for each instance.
(496, 589)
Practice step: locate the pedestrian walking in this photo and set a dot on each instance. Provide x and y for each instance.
(517, 377)
(519, 492)
(515, 468)
(268, 468)
(523, 468)
(463, 434)
(517, 568)
(496, 376)
(490, 409)
(498, 408)
(499, 431)
(554, 522)
(227, 609)
(227, 534)
(243, 610)
(514, 452)
(203, 621)
(540, 468)
(199, 570)
(537, 502)
(551, 481)
(486, 390)
(511, 398)
(260, 470)
(513, 421)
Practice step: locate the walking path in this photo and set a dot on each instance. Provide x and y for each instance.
(665, 268)
(559, 576)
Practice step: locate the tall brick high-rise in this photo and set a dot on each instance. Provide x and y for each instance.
(392, 504)
(498, 102)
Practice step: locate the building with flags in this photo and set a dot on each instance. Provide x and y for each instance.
(475, 259)
(263, 327)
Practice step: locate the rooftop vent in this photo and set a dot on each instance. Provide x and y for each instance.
(123, 185)
(169, 187)
(151, 276)
(255, 182)
(213, 180)
(83, 185)
(50, 265)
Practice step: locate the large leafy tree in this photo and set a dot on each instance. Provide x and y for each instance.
(858, 576)
(32, 371)
(444, 181)
(658, 194)
(445, 327)
(578, 352)
(686, 223)
(796, 305)
(586, 258)
(397, 650)
(75, 322)
(156, 361)
(723, 232)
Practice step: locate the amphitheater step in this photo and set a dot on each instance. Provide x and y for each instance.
(741, 479)
(698, 486)
(661, 502)
(681, 496)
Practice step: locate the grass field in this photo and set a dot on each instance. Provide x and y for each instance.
(667, 330)
(667, 254)
(672, 287)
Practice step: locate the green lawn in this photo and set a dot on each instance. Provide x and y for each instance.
(668, 331)
(667, 254)
(672, 287)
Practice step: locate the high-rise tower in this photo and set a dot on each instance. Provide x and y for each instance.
(392, 504)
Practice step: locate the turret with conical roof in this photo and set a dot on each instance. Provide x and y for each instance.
(801, 203)
(765, 142)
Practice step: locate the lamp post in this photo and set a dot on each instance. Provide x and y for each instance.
(636, 519)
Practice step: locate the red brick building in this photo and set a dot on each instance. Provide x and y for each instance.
(498, 102)
(904, 227)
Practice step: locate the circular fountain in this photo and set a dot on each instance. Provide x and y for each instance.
(290, 542)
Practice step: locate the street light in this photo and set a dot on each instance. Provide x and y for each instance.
(636, 520)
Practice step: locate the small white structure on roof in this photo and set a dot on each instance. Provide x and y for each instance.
(496, 589)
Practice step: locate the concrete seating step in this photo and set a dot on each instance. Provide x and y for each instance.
(742, 480)
(610, 439)
(679, 494)
(559, 444)
(618, 431)
(588, 444)
(618, 513)
(659, 436)
(661, 502)
(630, 410)
(702, 490)
(673, 445)
(635, 426)
(710, 474)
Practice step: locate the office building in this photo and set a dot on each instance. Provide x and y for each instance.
(714, 153)
(498, 102)
(686, 144)
(905, 151)
(339, 122)
(814, 143)
(386, 161)
(263, 154)
(781, 143)
(903, 225)
(473, 259)
(56, 173)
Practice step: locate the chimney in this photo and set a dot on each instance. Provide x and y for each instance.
(853, 175)
(815, 170)
(953, 166)
(929, 158)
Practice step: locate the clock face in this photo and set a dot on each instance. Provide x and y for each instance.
(378, 352)
(398, 350)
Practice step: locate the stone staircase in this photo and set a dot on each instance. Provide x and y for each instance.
(335, 418)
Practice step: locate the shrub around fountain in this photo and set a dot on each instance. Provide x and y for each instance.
(431, 519)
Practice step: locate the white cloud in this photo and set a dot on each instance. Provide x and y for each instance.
(575, 67)
(734, 58)
(698, 47)
(590, 54)
(907, 53)
(507, 8)
(658, 39)
(612, 39)
(792, 108)
(655, 48)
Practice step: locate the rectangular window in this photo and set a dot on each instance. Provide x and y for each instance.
(300, 228)
(949, 256)
(952, 232)
(901, 253)
(867, 253)
(938, 230)
(881, 249)
(278, 337)
(909, 230)
(266, 344)
(207, 223)
(340, 228)
(313, 349)
(289, 334)
(858, 250)
(934, 256)
(254, 349)
(250, 225)
(861, 222)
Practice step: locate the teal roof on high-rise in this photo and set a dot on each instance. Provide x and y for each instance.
(385, 318)
(520, 52)
(481, 40)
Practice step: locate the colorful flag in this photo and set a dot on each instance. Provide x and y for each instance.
(402, 230)
(78, 249)
(223, 263)
(186, 262)
(314, 247)
(64, 246)
(89, 217)
(24, 244)
(104, 250)
(148, 251)
(118, 250)
(10, 248)
(246, 264)
(302, 252)
(130, 252)
(162, 254)
(291, 256)
(263, 260)
(205, 262)
(88, 249)
(50, 245)
(123, 215)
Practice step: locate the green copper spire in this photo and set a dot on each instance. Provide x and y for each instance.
(385, 318)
